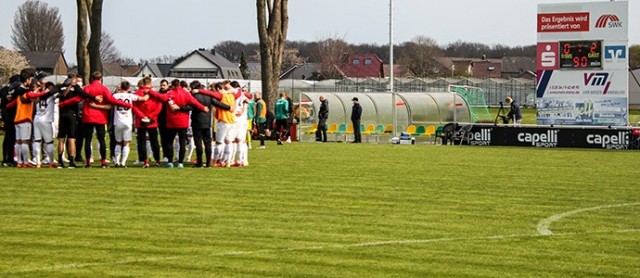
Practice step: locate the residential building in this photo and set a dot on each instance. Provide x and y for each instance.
(47, 62)
(205, 64)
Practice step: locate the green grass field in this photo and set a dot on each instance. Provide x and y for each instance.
(333, 210)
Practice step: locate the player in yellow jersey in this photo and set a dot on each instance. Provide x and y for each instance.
(225, 123)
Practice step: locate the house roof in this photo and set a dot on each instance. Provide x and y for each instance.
(43, 59)
(158, 70)
(227, 68)
(361, 70)
(310, 71)
(112, 69)
(216, 59)
(518, 64)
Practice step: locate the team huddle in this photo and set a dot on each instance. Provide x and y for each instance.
(181, 114)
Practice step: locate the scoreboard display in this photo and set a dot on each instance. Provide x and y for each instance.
(581, 54)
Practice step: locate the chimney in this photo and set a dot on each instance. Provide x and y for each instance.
(213, 51)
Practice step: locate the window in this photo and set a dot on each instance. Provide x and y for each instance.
(356, 61)
(368, 61)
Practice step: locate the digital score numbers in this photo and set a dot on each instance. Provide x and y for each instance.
(581, 54)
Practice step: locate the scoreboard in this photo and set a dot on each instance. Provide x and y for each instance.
(581, 54)
(582, 66)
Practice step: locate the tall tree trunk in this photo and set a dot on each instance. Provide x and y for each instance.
(81, 42)
(95, 17)
(273, 20)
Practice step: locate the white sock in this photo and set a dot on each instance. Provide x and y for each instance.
(37, 152)
(17, 153)
(118, 151)
(125, 155)
(228, 153)
(25, 152)
(49, 148)
(190, 148)
(234, 150)
(218, 152)
(242, 152)
(149, 150)
(245, 158)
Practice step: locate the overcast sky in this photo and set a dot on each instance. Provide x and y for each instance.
(151, 28)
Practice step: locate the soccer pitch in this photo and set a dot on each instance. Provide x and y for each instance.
(333, 210)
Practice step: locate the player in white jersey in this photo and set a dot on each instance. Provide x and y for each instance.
(43, 126)
(240, 131)
(123, 122)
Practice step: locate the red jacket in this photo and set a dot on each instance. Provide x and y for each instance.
(179, 118)
(92, 115)
(150, 108)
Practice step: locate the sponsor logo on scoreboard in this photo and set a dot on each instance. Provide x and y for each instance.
(547, 55)
(615, 53)
(609, 21)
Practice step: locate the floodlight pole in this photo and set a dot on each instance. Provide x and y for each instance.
(393, 94)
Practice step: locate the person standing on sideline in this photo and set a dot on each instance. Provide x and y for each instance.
(356, 114)
(290, 119)
(261, 118)
(323, 115)
(251, 115)
(282, 116)
(515, 114)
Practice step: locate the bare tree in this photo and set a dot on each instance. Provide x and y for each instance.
(11, 62)
(419, 56)
(331, 52)
(82, 55)
(37, 27)
(88, 53)
(273, 20)
(108, 51)
(95, 19)
(232, 50)
(164, 59)
(290, 58)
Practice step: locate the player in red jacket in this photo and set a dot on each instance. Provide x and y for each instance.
(178, 104)
(147, 123)
(94, 116)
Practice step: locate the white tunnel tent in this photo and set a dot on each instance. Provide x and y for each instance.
(412, 108)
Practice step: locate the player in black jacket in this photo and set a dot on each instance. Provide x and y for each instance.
(8, 115)
(201, 123)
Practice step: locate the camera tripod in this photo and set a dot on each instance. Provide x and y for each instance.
(501, 115)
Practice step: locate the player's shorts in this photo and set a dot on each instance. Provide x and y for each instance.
(241, 131)
(225, 131)
(122, 132)
(23, 131)
(43, 131)
(67, 126)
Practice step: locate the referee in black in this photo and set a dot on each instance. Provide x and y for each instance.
(356, 114)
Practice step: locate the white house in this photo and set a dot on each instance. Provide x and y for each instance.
(205, 64)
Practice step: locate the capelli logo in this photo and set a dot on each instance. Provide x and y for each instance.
(481, 138)
(609, 21)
